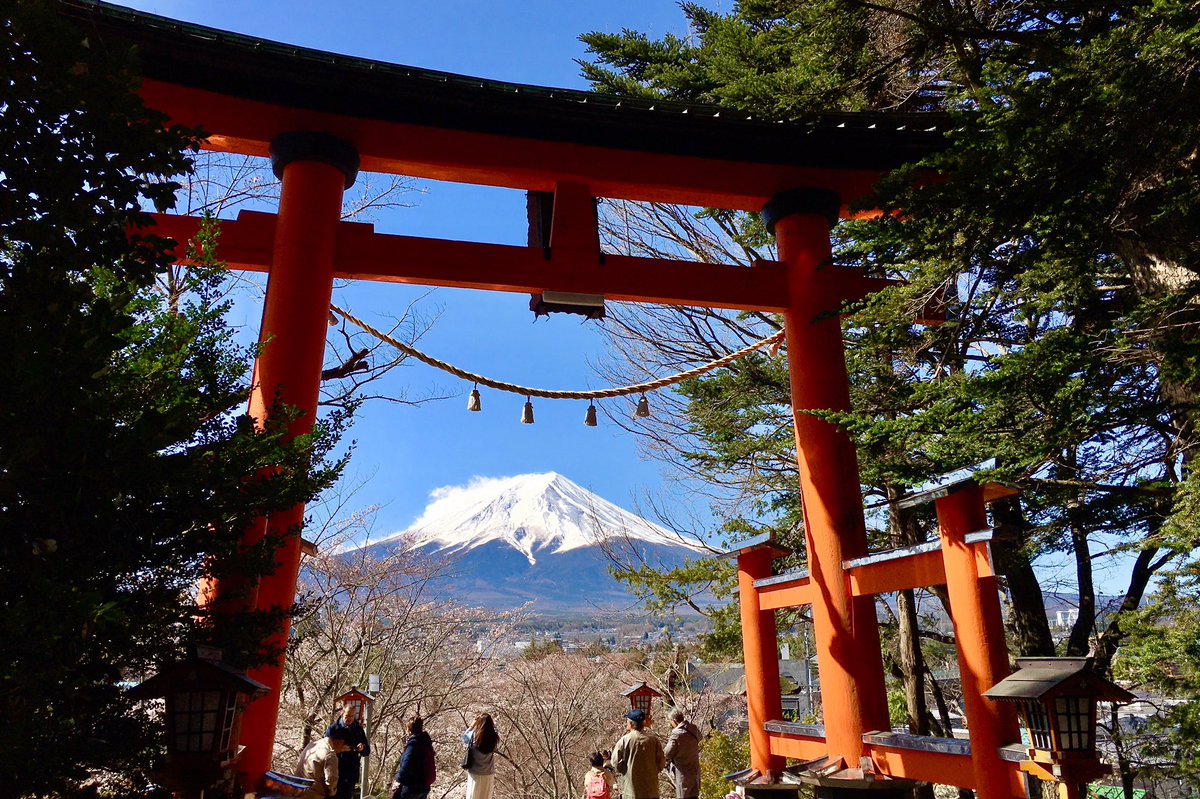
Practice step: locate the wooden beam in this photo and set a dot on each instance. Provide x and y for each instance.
(918, 566)
(363, 254)
(797, 747)
(245, 244)
(784, 591)
(927, 766)
(918, 570)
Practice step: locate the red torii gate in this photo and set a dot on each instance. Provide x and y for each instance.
(320, 117)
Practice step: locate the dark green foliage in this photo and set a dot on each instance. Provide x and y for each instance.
(1163, 655)
(124, 462)
(1062, 233)
(723, 754)
(778, 60)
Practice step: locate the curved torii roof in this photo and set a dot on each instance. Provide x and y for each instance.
(245, 91)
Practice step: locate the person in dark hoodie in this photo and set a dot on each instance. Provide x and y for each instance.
(415, 773)
(683, 756)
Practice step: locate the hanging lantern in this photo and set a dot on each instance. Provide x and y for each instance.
(527, 412)
(589, 418)
(643, 409)
(473, 403)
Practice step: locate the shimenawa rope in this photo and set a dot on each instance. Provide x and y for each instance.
(542, 393)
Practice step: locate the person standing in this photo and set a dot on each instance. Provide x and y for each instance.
(683, 756)
(481, 741)
(350, 763)
(416, 771)
(319, 762)
(598, 782)
(637, 758)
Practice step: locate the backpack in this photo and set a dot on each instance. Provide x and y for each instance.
(596, 787)
(430, 767)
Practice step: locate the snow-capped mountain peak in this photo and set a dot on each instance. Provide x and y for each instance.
(534, 538)
(532, 513)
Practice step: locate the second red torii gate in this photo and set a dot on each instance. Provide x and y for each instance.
(322, 116)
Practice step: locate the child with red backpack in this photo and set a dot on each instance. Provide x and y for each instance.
(598, 782)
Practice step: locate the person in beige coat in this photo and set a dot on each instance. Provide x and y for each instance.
(637, 758)
(319, 762)
(683, 756)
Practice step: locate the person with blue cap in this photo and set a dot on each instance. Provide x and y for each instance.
(638, 758)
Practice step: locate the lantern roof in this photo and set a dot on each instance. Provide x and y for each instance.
(640, 689)
(195, 672)
(355, 695)
(1048, 678)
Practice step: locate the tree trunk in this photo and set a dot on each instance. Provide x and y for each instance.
(1143, 569)
(1028, 622)
(1085, 622)
(939, 701)
(904, 532)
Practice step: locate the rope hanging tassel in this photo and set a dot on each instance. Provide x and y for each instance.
(642, 410)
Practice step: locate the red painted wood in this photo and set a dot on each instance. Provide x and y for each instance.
(853, 697)
(362, 254)
(791, 595)
(294, 325)
(915, 571)
(761, 652)
(248, 126)
(573, 227)
(938, 767)
(797, 747)
(979, 633)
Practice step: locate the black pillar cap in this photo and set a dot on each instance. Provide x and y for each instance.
(304, 145)
(801, 201)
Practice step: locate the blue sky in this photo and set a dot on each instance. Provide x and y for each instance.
(403, 453)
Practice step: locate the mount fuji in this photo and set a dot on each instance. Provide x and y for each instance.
(535, 538)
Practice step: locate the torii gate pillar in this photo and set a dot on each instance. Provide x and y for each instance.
(853, 693)
(315, 169)
(979, 632)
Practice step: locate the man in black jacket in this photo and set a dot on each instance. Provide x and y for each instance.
(350, 762)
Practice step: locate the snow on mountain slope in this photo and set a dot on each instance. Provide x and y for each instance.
(535, 538)
(535, 514)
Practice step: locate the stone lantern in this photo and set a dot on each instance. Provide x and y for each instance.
(204, 703)
(640, 697)
(1056, 700)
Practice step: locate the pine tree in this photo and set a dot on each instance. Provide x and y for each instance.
(126, 463)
